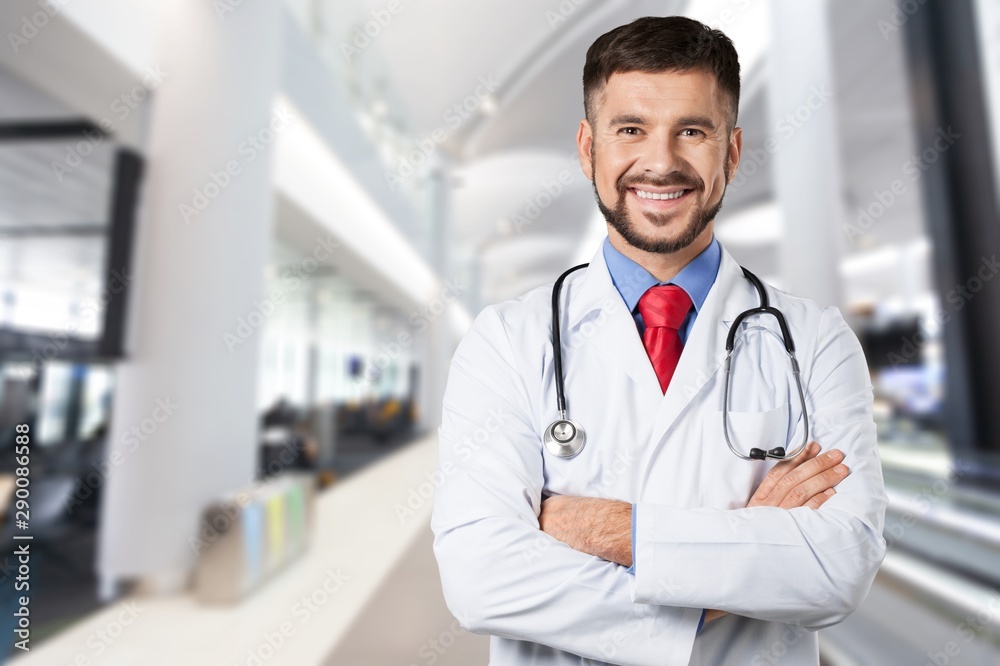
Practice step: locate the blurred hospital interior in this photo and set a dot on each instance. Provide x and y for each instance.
(240, 241)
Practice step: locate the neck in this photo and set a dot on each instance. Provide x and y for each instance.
(662, 266)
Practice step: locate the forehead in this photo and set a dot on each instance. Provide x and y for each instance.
(661, 94)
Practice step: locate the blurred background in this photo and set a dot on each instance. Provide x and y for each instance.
(240, 239)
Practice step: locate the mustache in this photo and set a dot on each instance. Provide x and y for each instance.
(671, 180)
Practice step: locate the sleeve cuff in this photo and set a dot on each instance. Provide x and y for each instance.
(631, 569)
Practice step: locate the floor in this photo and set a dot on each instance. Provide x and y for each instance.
(407, 621)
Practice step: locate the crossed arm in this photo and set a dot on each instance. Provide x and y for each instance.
(603, 527)
(505, 573)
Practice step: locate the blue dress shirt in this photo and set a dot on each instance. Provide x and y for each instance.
(632, 281)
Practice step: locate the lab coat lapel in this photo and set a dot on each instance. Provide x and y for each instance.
(705, 349)
(598, 315)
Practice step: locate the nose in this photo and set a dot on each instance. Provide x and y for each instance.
(659, 157)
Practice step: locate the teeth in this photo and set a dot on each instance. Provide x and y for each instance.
(654, 195)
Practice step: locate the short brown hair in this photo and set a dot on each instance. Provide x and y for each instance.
(656, 44)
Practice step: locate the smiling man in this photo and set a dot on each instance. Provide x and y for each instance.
(631, 534)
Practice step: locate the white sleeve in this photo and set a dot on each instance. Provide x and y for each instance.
(500, 573)
(801, 566)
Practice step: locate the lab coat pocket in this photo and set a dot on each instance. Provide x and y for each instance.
(763, 430)
(728, 482)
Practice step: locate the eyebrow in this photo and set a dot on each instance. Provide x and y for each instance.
(632, 119)
(627, 119)
(697, 121)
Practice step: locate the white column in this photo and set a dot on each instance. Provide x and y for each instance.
(184, 426)
(806, 162)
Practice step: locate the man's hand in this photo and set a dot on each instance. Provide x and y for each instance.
(603, 527)
(592, 525)
(805, 480)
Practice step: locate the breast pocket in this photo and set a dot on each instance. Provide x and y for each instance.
(728, 482)
(763, 430)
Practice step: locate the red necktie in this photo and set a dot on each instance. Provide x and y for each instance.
(663, 309)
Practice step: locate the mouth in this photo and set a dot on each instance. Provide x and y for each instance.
(660, 198)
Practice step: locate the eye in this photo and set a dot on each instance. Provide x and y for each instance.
(630, 131)
(696, 132)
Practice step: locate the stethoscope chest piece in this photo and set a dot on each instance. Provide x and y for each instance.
(564, 438)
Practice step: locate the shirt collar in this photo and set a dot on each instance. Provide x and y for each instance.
(632, 280)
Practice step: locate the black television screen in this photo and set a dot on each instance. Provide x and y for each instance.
(68, 199)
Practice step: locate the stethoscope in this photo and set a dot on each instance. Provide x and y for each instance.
(565, 438)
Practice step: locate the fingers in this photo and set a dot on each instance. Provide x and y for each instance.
(817, 466)
(814, 485)
(816, 501)
(777, 472)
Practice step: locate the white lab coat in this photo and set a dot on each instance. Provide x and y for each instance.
(782, 574)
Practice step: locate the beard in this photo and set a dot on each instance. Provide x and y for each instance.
(622, 223)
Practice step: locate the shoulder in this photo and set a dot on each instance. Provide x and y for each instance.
(820, 333)
(507, 323)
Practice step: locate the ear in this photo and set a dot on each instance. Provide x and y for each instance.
(584, 142)
(735, 151)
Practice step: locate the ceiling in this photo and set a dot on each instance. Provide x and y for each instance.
(505, 156)
(434, 53)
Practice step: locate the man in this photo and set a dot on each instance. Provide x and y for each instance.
(655, 544)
